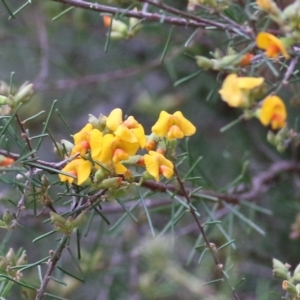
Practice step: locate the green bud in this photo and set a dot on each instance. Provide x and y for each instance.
(101, 174)
(271, 138)
(114, 35)
(94, 121)
(134, 26)
(56, 218)
(119, 27)
(69, 226)
(280, 273)
(80, 219)
(146, 176)
(280, 147)
(3, 263)
(24, 94)
(3, 100)
(132, 161)
(67, 145)
(3, 225)
(289, 287)
(111, 183)
(102, 122)
(7, 217)
(204, 62)
(277, 264)
(296, 277)
(11, 257)
(22, 260)
(4, 88)
(297, 269)
(228, 60)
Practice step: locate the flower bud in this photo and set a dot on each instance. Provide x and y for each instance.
(101, 174)
(94, 121)
(277, 264)
(111, 183)
(7, 217)
(289, 287)
(280, 273)
(56, 218)
(204, 62)
(22, 260)
(67, 145)
(3, 100)
(4, 88)
(24, 94)
(11, 256)
(80, 219)
(271, 138)
(5, 161)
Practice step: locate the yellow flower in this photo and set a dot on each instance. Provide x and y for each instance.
(235, 90)
(129, 131)
(174, 126)
(79, 168)
(271, 44)
(157, 164)
(114, 151)
(268, 6)
(87, 138)
(273, 112)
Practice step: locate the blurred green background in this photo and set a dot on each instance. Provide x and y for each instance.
(66, 60)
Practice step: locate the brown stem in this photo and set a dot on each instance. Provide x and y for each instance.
(209, 246)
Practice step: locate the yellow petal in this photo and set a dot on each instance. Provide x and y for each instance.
(152, 166)
(167, 172)
(83, 171)
(231, 93)
(120, 169)
(81, 135)
(185, 125)
(114, 119)
(125, 134)
(267, 41)
(107, 148)
(175, 133)
(249, 83)
(161, 127)
(96, 142)
(273, 112)
(140, 135)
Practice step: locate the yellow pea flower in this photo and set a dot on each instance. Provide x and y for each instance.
(86, 139)
(174, 126)
(273, 112)
(78, 167)
(268, 6)
(272, 45)
(235, 90)
(114, 150)
(157, 164)
(129, 131)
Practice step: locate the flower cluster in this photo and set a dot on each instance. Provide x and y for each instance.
(242, 92)
(106, 147)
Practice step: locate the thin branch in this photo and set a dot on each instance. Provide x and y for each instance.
(187, 21)
(51, 266)
(209, 246)
(258, 185)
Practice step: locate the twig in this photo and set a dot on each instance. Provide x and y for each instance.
(31, 170)
(187, 21)
(209, 246)
(51, 266)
